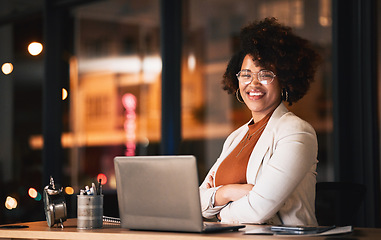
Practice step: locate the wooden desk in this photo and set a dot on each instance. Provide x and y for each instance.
(40, 230)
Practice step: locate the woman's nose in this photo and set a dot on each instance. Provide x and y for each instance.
(255, 80)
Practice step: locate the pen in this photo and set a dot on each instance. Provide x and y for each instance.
(100, 186)
(96, 189)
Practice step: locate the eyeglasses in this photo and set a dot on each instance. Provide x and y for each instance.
(264, 76)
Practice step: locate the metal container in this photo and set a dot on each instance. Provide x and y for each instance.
(90, 211)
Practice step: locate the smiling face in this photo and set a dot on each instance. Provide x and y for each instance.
(259, 98)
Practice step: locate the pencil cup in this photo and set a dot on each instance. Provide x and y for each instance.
(90, 211)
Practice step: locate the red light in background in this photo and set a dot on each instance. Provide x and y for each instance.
(102, 177)
(32, 193)
(129, 102)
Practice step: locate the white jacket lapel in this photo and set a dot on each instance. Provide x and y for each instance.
(233, 140)
(263, 145)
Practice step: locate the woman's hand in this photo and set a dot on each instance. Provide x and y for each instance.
(228, 193)
(231, 192)
(210, 181)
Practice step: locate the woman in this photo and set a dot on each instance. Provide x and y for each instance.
(266, 172)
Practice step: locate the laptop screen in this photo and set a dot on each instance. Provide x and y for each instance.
(158, 193)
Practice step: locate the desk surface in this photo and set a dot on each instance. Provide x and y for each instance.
(40, 230)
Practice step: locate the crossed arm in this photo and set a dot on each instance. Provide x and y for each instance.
(228, 193)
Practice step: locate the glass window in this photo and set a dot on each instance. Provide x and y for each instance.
(115, 82)
(115, 87)
(113, 106)
(209, 113)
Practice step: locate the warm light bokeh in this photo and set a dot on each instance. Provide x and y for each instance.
(69, 190)
(64, 94)
(35, 48)
(32, 193)
(10, 203)
(192, 62)
(7, 68)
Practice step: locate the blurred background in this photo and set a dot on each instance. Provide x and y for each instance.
(108, 70)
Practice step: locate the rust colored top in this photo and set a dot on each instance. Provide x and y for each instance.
(233, 169)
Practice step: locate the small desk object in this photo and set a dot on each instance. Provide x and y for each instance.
(40, 230)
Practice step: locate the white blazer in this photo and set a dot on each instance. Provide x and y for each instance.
(282, 168)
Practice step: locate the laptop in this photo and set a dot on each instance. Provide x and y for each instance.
(160, 193)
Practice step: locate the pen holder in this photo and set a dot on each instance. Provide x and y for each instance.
(90, 211)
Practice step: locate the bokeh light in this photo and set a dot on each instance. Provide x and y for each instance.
(38, 197)
(10, 203)
(103, 177)
(69, 190)
(35, 48)
(64, 93)
(7, 68)
(32, 193)
(112, 181)
(191, 62)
